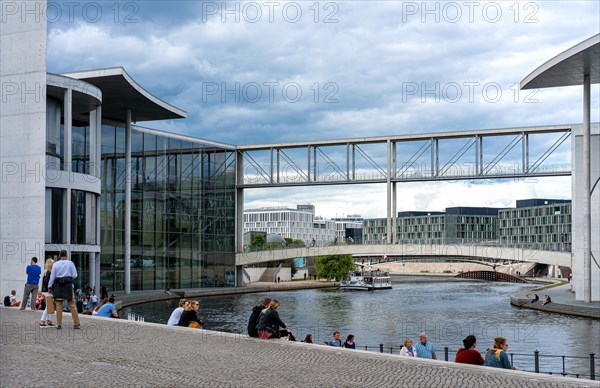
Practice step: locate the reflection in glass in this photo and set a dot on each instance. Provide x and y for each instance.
(182, 212)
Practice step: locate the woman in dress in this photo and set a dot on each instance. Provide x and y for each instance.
(47, 315)
(408, 349)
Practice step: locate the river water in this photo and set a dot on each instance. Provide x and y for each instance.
(446, 309)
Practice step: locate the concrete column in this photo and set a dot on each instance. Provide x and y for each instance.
(394, 214)
(98, 173)
(389, 192)
(394, 200)
(97, 273)
(92, 267)
(239, 214)
(98, 160)
(68, 119)
(586, 205)
(128, 203)
(68, 128)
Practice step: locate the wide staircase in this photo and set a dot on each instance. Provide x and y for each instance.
(269, 275)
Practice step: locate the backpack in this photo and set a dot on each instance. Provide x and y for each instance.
(7, 301)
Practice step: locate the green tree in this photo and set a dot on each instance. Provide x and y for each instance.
(334, 266)
(258, 242)
(291, 243)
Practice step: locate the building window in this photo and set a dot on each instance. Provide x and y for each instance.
(54, 216)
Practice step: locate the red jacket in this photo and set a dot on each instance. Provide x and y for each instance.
(469, 357)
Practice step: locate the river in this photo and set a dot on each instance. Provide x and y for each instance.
(446, 309)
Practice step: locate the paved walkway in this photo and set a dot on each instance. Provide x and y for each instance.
(109, 353)
(563, 302)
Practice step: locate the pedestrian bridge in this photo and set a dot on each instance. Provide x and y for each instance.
(412, 251)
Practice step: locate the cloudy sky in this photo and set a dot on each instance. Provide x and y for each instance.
(263, 72)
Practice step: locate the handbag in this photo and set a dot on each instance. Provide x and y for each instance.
(50, 304)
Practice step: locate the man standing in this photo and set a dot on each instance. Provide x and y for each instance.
(33, 272)
(61, 286)
(253, 321)
(336, 341)
(424, 348)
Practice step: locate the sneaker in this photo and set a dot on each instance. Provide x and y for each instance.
(43, 324)
(77, 327)
(49, 323)
(58, 327)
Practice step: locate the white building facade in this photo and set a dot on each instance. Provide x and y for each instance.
(297, 224)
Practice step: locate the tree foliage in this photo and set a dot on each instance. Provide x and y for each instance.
(334, 266)
(258, 242)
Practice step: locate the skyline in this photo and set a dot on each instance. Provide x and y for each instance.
(362, 69)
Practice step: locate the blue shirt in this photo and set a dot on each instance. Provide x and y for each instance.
(106, 310)
(334, 342)
(424, 351)
(33, 272)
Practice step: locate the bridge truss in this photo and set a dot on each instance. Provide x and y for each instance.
(509, 153)
(464, 155)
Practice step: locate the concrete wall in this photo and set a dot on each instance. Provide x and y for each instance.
(22, 140)
(577, 220)
(255, 273)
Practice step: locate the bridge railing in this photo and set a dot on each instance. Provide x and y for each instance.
(554, 247)
(573, 366)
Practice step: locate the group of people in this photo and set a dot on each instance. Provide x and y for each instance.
(547, 299)
(265, 323)
(57, 290)
(186, 315)
(336, 341)
(495, 357)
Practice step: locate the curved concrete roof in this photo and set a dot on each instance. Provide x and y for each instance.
(569, 67)
(86, 97)
(120, 92)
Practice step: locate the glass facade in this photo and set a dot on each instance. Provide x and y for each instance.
(55, 133)
(546, 227)
(182, 212)
(80, 147)
(54, 216)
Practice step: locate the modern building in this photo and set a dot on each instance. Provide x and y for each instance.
(349, 228)
(135, 208)
(456, 225)
(538, 223)
(297, 224)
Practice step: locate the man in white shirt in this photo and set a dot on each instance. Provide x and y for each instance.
(176, 314)
(61, 286)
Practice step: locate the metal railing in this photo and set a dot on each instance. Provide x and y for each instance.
(553, 247)
(562, 365)
(135, 317)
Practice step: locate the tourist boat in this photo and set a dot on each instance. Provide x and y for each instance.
(367, 281)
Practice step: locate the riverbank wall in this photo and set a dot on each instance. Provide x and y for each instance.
(563, 301)
(126, 300)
